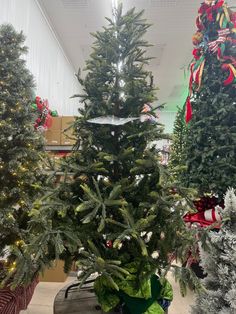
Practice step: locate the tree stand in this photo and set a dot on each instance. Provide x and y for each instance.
(128, 304)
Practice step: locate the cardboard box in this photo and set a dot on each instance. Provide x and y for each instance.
(53, 137)
(67, 135)
(67, 139)
(56, 123)
(55, 273)
(66, 121)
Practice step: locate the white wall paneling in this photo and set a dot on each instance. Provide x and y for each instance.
(167, 118)
(54, 74)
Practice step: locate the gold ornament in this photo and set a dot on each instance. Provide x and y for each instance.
(19, 243)
(83, 178)
(197, 38)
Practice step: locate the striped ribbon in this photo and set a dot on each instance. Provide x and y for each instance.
(12, 302)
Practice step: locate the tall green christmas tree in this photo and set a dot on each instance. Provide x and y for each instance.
(19, 144)
(211, 141)
(177, 156)
(116, 214)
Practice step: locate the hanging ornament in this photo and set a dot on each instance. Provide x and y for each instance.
(83, 178)
(155, 255)
(19, 243)
(148, 114)
(197, 53)
(39, 103)
(109, 244)
(146, 108)
(188, 114)
(162, 235)
(197, 38)
(54, 113)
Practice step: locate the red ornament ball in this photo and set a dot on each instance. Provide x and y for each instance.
(197, 53)
(109, 244)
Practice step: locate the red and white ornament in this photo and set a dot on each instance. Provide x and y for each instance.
(213, 214)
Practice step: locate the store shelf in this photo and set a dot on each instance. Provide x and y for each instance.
(58, 147)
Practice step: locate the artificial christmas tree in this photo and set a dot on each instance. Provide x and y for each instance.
(177, 156)
(211, 141)
(119, 207)
(210, 112)
(20, 171)
(218, 260)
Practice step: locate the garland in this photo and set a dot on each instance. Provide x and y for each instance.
(212, 14)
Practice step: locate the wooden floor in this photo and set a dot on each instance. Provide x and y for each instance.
(83, 302)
